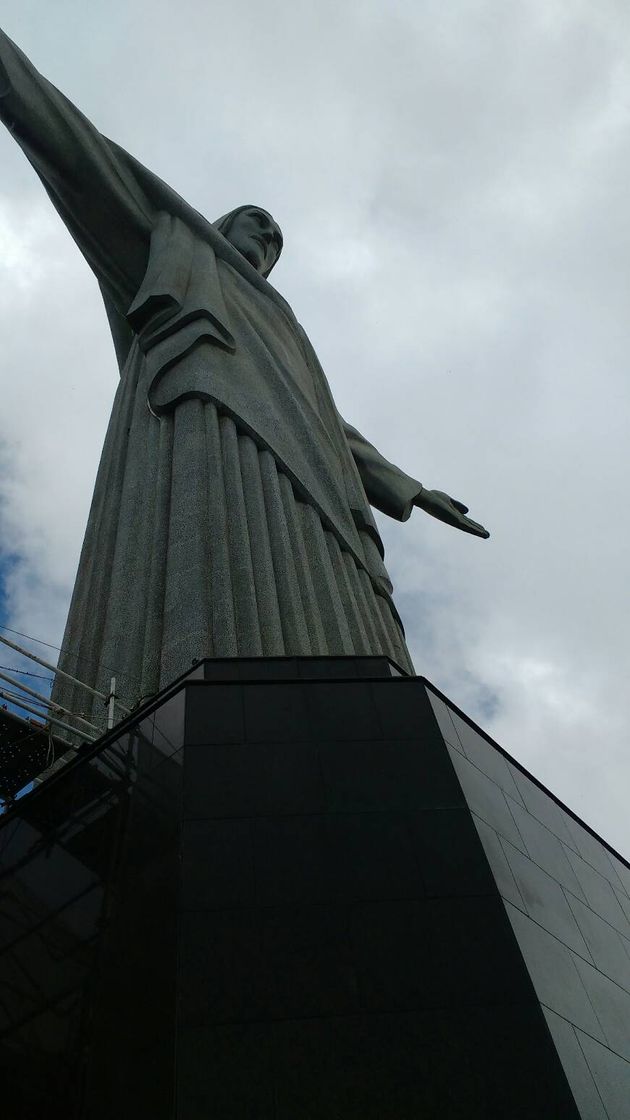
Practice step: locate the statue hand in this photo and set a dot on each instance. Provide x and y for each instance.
(446, 509)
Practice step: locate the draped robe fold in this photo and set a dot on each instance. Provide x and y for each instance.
(231, 512)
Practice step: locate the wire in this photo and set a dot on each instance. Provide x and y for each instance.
(60, 649)
(26, 673)
(12, 692)
(40, 642)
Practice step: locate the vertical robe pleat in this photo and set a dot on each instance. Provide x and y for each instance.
(197, 546)
(294, 626)
(268, 605)
(241, 567)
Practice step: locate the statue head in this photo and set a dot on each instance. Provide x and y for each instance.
(253, 232)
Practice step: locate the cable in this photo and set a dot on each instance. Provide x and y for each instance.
(60, 673)
(56, 708)
(11, 692)
(26, 673)
(48, 718)
(60, 649)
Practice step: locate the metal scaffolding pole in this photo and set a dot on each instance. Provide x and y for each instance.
(47, 701)
(42, 715)
(60, 672)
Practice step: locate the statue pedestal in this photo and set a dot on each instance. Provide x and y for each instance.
(308, 888)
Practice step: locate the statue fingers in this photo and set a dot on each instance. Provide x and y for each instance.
(470, 526)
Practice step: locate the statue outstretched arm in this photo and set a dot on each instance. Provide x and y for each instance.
(395, 493)
(96, 196)
(387, 487)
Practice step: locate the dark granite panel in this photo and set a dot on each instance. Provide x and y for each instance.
(377, 667)
(155, 814)
(8, 834)
(312, 711)
(599, 894)
(451, 857)
(542, 806)
(545, 901)
(223, 669)
(576, 1067)
(40, 1079)
(293, 668)
(611, 1004)
(497, 859)
(486, 799)
(485, 757)
(442, 713)
(608, 948)
(276, 713)
(472, 1064)
(91, 900)
(45, 869)
(553, 972)
(623, 901)
(611, 1074)
(50, 961)
(22, 909)
(249, 964)
(133, 994)
(214, 714)
(270, 668)
(436, 953)
(591, 849)
(131, 1035)
(309, 960)
(547, 850)
(226, 1072)
(404, 710)
(164, 727)
(244, 780)
(319, 668)
(217, 865)
(323, 668)
(325, 859)
(382, 774)
(221, 975)
(344, 711)
(623, 873)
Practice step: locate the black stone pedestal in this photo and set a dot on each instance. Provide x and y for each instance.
(305, 889)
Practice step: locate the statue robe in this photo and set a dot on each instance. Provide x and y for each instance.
(231, 511)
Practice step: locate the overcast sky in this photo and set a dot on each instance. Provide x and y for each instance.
(452, 184)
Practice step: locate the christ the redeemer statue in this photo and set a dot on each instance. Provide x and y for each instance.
(231, 513)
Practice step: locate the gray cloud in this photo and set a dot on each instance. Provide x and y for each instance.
(452, 185)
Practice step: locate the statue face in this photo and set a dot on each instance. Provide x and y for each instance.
(254, 233)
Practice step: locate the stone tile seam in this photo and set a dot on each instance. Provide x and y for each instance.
(576, 1034)
(577, 973)
(526, 914)
(625, 942)
(566, 890)
(580, 1030)
(510, 872)
(588, 960)
(362, 1013)
(472, 762)
(531, 777)
(590, 1074)
(505, 796)
(38, 927)
(355, 903)
(278, 814)
(508, 799)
